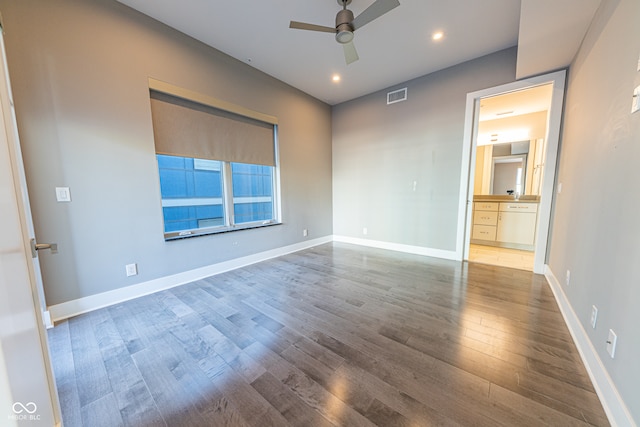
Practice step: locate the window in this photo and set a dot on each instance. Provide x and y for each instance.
(193, 195)
(252, 193)
(217, 168)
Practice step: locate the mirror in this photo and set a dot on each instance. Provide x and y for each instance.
(497, 167)
(508, 175)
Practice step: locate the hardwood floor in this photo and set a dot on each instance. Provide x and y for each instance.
(334, 335)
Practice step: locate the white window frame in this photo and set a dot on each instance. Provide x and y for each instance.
(227, 201)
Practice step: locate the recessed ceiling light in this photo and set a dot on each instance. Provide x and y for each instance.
(336, 78)
(437, 35)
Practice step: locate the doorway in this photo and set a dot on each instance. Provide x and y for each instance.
(516, 216)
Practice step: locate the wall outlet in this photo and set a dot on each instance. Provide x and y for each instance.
(365, 231)
(594, 316)
(132, 269)
(611, 343)
(559, 187)
(568, 278)
(305, 232)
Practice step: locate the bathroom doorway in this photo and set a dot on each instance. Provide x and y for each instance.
(511, 142)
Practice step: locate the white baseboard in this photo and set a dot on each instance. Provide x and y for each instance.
(612, 402)
(72, 308)
(398, 247)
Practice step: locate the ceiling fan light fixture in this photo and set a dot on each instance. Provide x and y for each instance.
(346, 24)
(344, 36)
(344, 30)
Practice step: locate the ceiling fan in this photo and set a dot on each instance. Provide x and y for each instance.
(346, 24)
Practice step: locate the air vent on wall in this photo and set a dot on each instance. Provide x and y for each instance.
(397, 96)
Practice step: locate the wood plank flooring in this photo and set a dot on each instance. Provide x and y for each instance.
(336, 335)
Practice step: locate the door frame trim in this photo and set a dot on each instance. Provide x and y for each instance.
(465, 204)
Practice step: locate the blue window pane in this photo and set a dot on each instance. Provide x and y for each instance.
(209, 212)
(251, 212)
(192, 217)
(180, 183)
(207, 184)
(252, 192)
(173, 214)
(173, 183)
(241, 185)
(268, 189)
(252, 180)
(170, 162)
(177, 226)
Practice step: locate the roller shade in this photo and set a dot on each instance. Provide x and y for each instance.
(190, 129)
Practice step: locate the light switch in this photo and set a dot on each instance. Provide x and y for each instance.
(63, 194)
(635, 105)
(612, 340)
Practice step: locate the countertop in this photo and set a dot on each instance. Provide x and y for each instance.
(506, 198)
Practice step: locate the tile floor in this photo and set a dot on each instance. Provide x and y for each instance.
(514, 258)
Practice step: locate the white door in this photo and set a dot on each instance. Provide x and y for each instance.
(27, 387)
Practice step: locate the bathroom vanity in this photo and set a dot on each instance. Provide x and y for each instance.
(505, 221)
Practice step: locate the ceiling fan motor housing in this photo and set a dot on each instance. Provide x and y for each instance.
(344, 29)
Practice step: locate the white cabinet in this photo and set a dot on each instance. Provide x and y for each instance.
(484, 232)
(517, 223)
(486, 206)
(508, 224)
(485, 220)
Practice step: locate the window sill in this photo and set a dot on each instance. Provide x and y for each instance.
(178, 235)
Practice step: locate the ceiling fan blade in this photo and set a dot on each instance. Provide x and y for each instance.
(376, 10)
(350, 53)
(311, 27)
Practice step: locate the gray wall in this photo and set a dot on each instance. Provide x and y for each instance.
(79, 72)
(379, 150)
(596, 227)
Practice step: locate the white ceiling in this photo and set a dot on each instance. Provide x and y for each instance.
(510, 117)
(393, 49)
(517, 103)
